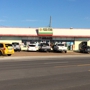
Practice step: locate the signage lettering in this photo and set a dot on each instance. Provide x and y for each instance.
(45, 29)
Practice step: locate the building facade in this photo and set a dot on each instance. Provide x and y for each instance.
(71, 37)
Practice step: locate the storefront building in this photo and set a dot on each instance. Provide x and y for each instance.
(71, 37)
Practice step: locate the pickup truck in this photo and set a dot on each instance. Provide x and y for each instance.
(60, 48)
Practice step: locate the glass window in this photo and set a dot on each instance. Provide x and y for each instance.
(57, 38)
(60, 44)
(8, 45)
(44, 44)
(32, 45)
(81, 39)
(10, 38)
(15, 43)
(1, 45)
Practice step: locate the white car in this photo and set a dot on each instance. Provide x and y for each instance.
(32, 47)
(16, 46)
(24, 48)
(60, 48)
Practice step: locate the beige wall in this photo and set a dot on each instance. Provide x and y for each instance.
(88, 43)
(71, 32)
(77, 45)
(10, 41)
(56, 32)
(18, 31)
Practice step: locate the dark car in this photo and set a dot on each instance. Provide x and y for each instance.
(85, 49)
(44, 47)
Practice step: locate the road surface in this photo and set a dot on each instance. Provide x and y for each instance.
(46, 74)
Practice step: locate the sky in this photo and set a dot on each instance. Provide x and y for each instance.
(36, 13)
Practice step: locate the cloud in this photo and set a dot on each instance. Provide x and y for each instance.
(28, 20)
(32, 20)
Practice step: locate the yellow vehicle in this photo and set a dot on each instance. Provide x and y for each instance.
(6, 49)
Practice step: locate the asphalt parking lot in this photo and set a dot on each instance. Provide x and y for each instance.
(44, 53)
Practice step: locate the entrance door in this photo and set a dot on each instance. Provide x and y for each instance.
(45, 39)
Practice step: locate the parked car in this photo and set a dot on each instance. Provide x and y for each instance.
(24, 47)
(85, 49)
(6, 49)
(60, 48)
(16, 46)
(32, 47)
(44, 47)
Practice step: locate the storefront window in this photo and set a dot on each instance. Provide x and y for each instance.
(82, 39)
(10, 38)
(56, 38)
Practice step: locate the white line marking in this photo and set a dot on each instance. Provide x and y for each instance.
(55, 62)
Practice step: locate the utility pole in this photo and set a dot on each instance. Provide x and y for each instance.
(50, 21)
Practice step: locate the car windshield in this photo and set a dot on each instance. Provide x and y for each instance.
(60, 44)
(8, 45)
(44, 44)
(32, 42)
(32, 45)
(15, 43)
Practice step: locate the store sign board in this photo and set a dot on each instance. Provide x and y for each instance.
(45, 31)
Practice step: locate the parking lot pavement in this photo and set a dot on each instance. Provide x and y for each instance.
(44, 53)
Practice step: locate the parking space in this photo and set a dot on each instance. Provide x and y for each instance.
(44, 53)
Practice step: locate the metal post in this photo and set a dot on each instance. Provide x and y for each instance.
(50, 22)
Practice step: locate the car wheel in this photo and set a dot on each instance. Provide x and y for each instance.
(0, 53)
(81, 52)
(88, 52)
(65, 51)
(46, 50)
(19, 50)
(49, 50)
(9, 54)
